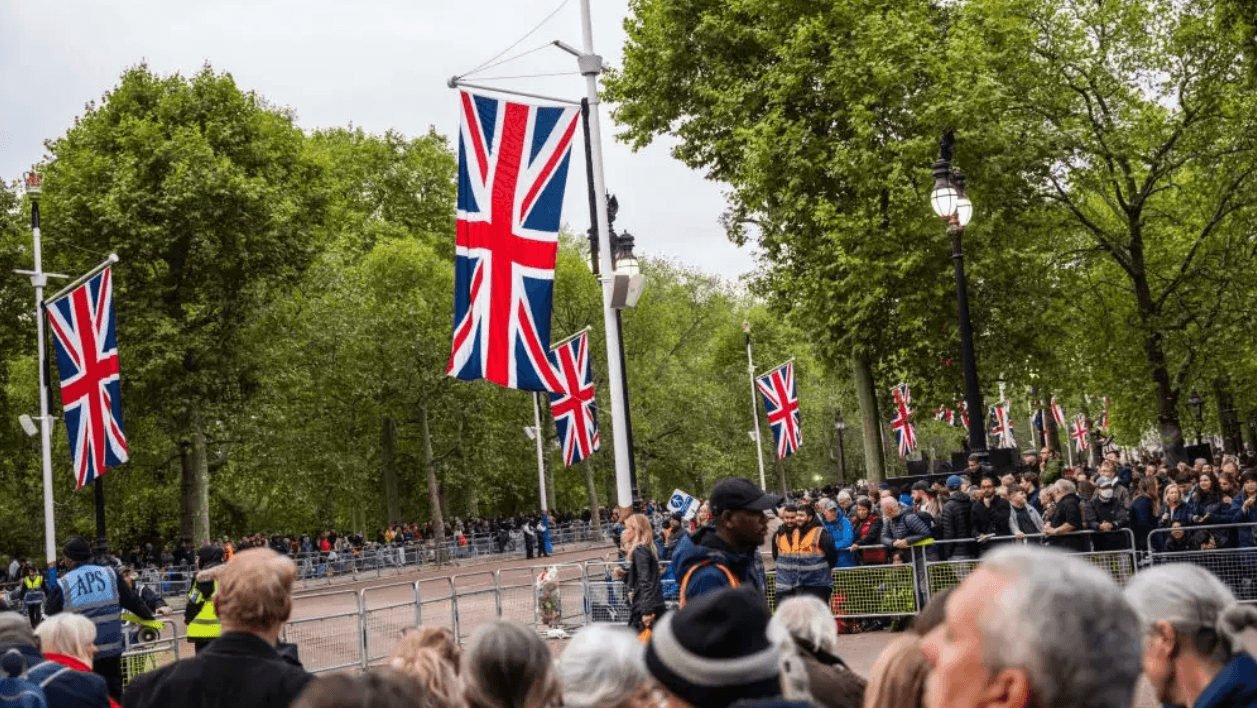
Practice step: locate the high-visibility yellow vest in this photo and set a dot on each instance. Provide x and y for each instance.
(205, 625)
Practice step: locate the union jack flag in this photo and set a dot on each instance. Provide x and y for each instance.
(87, 362)
(962, 409)
(1080, 432)
(512, 168)
(1002, 427)
(901, 424)
(781, 402)
(575, 413)
(943, 413)
(1058, 413)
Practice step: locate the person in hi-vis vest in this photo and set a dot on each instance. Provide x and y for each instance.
(97, 593)
(199, 613)
(31, 591)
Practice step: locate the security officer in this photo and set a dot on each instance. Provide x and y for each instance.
(805, 557)
(95, 592)
(199, 614)
(32, 594)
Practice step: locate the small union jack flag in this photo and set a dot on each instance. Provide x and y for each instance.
(1080, 432)
(942, 413)
(1002, 427)
(901, 424)
(962, 413)
(1058, 413)
(781, 402)
(87, 362)
(575, 413)
(512, 169)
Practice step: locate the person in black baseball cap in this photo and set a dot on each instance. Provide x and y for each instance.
(725, 552)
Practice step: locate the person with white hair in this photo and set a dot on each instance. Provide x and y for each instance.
(811, 625)
(1067, 517)
(1198, 643)
(66, 684)
(605, 667)
(1034, 627)
(846, 503)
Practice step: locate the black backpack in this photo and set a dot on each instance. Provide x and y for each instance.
(16, 688)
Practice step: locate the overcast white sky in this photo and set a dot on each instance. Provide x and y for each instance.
(379, 64)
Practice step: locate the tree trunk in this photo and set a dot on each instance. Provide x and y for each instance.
(550, 487)
(591, 492)
(862, 375)
(200, 481)
(388, 456)
(1228, 419)
(783, 476)
(1051, 432)
(643, 475)
(187, 493)
(434, 494)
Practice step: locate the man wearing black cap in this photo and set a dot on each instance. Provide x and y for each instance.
(95, 592)
(725, 552)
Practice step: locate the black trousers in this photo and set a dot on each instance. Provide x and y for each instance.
(36, 613)
(823, 594)
(111, 668)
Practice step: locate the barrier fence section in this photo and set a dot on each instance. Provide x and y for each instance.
(1235, 567)
(866, 591)
(387, 611)
(328, 642)
(141, 657)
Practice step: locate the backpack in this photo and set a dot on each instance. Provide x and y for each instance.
(16, 688)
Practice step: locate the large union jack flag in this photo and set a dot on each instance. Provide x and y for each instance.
(87, 361)
(1002, 426)
(575, 413)
(1080, 432)
(901, 424)
(1058, 413)
(512, 168)
(781, 402)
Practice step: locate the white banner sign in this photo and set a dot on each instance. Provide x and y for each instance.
(683, 504)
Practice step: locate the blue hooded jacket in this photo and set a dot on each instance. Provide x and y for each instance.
(1235, 687)
(705, 545)
(841, 531)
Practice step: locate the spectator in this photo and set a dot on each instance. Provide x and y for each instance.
(1199, 644)
(1067, 517)
(725, 552)
(933, 614)
(1145, 509)
(1107, 516)
(1109, 471)
(1033, 627)
(96, 592)
(66, 674)
(509, 666)
(845, 504)
(430, 656)
(1030, 485)
(841, 531)
(956, 523)
(902, 529)
(991, 513)
(242, 668)
(899, 676)
(720, 649)
(642, 581)
(1024, 519)
(868, 534)
(604, 667)
(810, 622)
(376, 689)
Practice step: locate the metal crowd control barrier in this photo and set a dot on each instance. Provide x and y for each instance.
(475, 613)
(387, 610)
(1236, 567)
(438, 604)
(142, 657)
(885, 590)
(328, 642)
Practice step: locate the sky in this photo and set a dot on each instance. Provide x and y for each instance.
(377, 64)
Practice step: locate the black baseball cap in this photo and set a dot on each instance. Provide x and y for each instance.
(736, 493)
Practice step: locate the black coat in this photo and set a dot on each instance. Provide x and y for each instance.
(956, 523)
(992, 519)
(234, 671)
(1069, 510)
(644, 589)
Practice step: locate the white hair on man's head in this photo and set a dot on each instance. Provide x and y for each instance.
(67, 633)
(1200, 608)
(1066, 624)
(844, 494)
(890, 505)
(602, 666)
(810, 622)
(1065, 486)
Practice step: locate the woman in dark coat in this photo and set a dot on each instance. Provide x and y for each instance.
(642, 578)
(868, 533)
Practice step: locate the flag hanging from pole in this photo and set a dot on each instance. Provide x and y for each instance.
(574, 409)
(901, 424)
(1002, 426)
(1079, 433)
(87, 363)
(1058, 413)
(781, 402)
(962, 408)
(512, 169)
(942, 412)
(1037, 417)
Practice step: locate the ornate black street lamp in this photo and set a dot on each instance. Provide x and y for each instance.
(952, 205)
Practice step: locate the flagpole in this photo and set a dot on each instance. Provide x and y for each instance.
(590, 65)
(541, 457)
(39, 279)
(750, 370)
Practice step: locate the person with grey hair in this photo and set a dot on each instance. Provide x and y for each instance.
(63, 686)
(1198, 644)
(605, 667)
(845, 503)
(1067, 517)
(1034, 627)
(811, 625)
